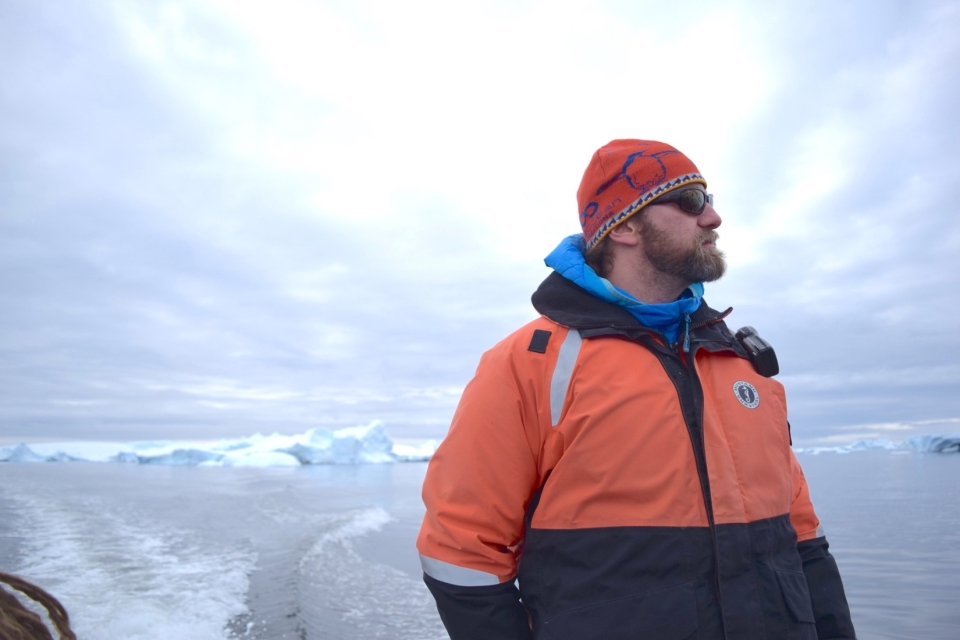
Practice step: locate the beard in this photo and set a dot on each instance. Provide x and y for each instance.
(690, 262)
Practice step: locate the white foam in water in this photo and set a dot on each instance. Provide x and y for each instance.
(916, 444)
(161, 584)
(368, 444)
(334, 574)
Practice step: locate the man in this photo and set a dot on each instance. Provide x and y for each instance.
(621, 458)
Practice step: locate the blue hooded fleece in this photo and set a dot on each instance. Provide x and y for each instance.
(567, 260)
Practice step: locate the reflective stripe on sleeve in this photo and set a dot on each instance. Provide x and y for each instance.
(562, 373)
(452, 574)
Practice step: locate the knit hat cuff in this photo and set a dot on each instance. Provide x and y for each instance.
(639, 204)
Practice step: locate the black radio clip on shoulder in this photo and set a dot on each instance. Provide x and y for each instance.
(762, 355)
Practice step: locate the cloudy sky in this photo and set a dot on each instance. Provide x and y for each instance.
(223, 217)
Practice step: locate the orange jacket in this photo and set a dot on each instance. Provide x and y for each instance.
(635, 490)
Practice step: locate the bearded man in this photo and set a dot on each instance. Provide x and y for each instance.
(621, 466)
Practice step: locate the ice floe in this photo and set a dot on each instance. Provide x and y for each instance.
(367, 444)
(916, 444)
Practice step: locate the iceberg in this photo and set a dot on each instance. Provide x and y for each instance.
(935, 444)
(20, 453)
(260, 459)
(415, 453)
(915, 444)
(368, 444)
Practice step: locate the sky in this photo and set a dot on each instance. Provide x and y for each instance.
(222, 217)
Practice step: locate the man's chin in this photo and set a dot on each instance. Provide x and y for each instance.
(713, 277)
(712, 265)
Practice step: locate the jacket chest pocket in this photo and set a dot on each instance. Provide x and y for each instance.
(748, 451)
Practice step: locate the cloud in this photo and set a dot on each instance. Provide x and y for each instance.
(219, 217)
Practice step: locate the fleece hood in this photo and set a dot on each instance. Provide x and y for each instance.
(568, 261)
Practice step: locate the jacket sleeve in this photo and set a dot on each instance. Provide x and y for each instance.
(830, 608)
(476, 491)
(480, 613)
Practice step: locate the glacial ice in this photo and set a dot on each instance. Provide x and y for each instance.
(915, 444)
(367, 444)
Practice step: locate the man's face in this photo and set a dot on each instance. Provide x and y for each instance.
(681, 244)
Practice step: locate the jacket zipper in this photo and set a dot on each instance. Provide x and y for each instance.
(687, 358)
(701, 459)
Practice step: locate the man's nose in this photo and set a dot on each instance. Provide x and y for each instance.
(709, 218)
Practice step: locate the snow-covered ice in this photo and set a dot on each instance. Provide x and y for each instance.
(367, 444)
(916, 444)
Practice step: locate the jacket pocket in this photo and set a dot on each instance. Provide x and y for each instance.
(796, 594)
(665, 614)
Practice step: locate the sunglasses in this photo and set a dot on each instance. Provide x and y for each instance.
(690, 200)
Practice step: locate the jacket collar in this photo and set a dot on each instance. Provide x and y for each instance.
(668, 318)
(571, 306)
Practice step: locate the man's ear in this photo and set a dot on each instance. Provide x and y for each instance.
(627, 232)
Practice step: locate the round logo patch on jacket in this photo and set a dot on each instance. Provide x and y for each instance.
(747, 394)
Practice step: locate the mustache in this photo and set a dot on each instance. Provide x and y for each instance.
(709, 235)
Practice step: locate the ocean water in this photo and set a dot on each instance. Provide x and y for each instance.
(173, 552)
(893, 523)
(151, 552)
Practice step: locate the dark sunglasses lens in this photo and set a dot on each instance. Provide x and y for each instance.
(693, 201)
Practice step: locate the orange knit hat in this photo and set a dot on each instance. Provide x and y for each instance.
(623, 177)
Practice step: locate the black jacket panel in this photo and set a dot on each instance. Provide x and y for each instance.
(480, 613)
